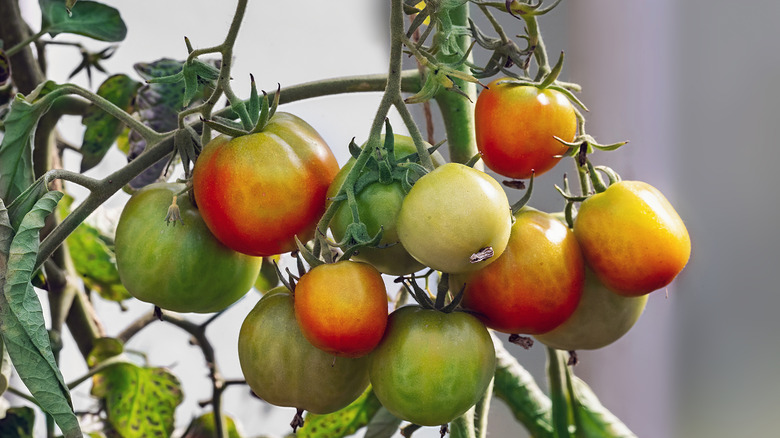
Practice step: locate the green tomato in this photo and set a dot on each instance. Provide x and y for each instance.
(601, 318)
(452, 214)
(179, 267)
(378, 207)
(284, 369)
(431, 366)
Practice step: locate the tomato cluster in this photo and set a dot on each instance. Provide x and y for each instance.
(317, 343)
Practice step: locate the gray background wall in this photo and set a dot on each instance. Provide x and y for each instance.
(691, 84)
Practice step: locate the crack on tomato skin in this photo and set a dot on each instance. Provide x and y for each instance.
(482, 255)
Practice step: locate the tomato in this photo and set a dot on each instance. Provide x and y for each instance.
(258, 191)
(267, 279)
(601, 318)
(632, 238)
(342, 307)
(516, 126)
(536, 283)
(431, 366)
(179, 267)
(452, 213)
(284, 369)
(378, 207)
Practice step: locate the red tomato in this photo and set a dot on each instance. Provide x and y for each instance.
(516, 126)
(258, 191)
(632, 238)
(536, 283)
(342, 307)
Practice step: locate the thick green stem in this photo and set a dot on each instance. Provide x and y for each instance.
(556, 375)
(517, 388)
(458, 111)
(463, 426)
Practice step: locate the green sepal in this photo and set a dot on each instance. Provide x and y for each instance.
(522, 202)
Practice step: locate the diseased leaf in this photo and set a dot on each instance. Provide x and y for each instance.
(596, 421)
(103, 349)
(139, 401)
(90, 19)
(5, 69)
(383, 425)
(343, 422)
(16, 167)
(102, 128)
(203, 427)
(158, 107)
(22, 323)
(94, 258)
(18, 423)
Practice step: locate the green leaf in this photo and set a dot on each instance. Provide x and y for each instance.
(203, 427)
(22, 323)
(16, 167)
(383, 425)
(102, 128)
(596, 421)
(139, 401)
(18, 423)
(6, 236)
(90, 19)
(344, 422)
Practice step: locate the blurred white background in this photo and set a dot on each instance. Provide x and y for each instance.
(691, 84)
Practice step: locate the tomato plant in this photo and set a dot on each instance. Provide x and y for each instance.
(264, 183)
(516, 126)
(601, 318)
(536, 283)
(284, 369)
(157, 261)
(378, 206)
(431, 366)
(257, 192)
(632, 238)
(453, 213)
(342, 307)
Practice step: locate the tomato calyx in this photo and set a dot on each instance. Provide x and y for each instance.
(254, 114)
(383, 167)
(442, 293)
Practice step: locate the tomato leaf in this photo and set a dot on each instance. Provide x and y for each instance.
(93, 257)
(158, 106)
(517, 388)
(5, 68)
(18, 422)
(203, 427)
(383, 425)
(5, 367)
(90, 19)
(16, 168)
(102, 128)
(140, 401)
(595, 421)
(341, 423)
(22, 323)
